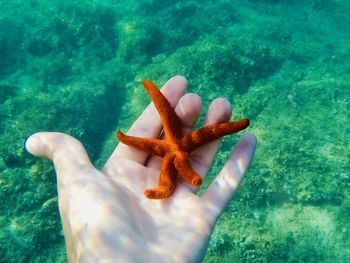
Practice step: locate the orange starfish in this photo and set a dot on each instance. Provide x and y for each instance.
(176, 149)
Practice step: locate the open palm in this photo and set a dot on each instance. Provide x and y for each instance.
(106, 217)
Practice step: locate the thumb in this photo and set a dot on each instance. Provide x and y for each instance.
(66, 152)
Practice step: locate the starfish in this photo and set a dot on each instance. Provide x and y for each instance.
(176, 149)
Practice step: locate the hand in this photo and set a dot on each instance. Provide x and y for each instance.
(106, 216)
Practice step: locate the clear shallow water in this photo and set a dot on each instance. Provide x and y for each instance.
(76, 68)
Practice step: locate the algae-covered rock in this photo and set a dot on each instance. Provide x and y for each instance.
(77, 68)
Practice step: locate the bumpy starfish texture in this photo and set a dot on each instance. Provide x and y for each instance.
(176, 149)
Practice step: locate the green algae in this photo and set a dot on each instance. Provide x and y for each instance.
(77, 68)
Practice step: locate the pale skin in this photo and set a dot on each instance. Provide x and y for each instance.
(105, 215)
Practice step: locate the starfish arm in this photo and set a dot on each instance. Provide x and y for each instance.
(186, 172)
(152, 146)
(198, 138)
(167, 180)
(171, 122)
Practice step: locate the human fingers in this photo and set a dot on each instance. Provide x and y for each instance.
(148, 124)
(202, 158)
(220, 191)
(66, 152)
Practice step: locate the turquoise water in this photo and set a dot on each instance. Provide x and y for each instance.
(76, 68)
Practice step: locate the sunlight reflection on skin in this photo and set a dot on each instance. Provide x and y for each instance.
(228, 180)
(106, 217)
